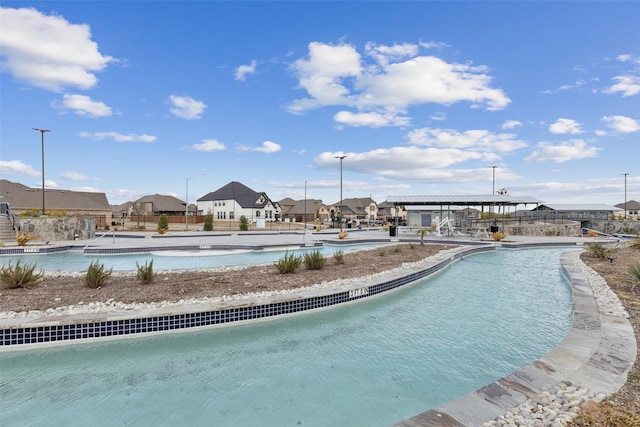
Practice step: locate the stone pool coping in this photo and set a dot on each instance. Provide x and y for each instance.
(596, 353)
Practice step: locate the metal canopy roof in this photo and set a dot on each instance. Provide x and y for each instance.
(471, 200)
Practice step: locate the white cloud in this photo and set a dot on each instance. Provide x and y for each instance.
(186, 107)
(74, 176)
(16, 167)
(118, 137)
(564, 126)
(47, 51)
(626, 85)
(622, 124)
(434, 45)
(476, 139)
(397, 79)
(209, 145)
(511, 124)
(268, 147)
(83, 106)
(371, 119)
(409, 163)
(570, 150)
(438, 116)
(243, 70)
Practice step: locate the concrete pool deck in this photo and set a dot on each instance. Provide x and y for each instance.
(596, 353)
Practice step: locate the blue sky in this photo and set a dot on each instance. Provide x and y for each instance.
(422, 98)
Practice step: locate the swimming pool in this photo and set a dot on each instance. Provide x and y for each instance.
(164, 259)
(372, 363)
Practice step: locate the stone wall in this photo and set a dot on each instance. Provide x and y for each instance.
(615, 227)
(56, 229)
(549, 230)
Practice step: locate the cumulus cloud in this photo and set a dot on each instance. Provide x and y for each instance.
(476, 139)
(564, 126)
(83, 105)
(16, 167)
(511, 124)
(118, 137)
(209, 145)
(244, 70)
(626, 85)
(372, 119)
(267, 147)
(49, 52)
(622, 124)
(574, 149)
(186, 107)
(394, 79)
(74, 176)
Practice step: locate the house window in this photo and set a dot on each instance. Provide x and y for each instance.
(258, 214)
(231, 215)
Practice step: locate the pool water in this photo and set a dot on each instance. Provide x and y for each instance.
(170, 260)
(371, 363)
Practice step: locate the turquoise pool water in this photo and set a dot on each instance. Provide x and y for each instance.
(372, 363)
(169, 260)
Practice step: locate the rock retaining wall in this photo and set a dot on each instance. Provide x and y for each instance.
(56, 229)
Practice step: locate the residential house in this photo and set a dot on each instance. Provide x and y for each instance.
(309, 210)
(72, 203)
(632, 209)
(388, 212)
(234, 200)
(358, 210)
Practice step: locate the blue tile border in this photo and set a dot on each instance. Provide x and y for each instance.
(53, 333)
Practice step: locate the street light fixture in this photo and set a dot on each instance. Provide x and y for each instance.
(186, 205)
(625, 195)
(340, 217)
(42, 132)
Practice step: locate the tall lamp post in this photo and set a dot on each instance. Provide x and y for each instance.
(340, 217)
(42, 132)
(186, 205)
(625, 195)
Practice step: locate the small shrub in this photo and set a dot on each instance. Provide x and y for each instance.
(593, 233)
(208, 223)
(422, 233)
(338, 256)
(599, 251)
(145, 272)
(19, 276)
(397, 249)
(381, 252)
(314, 260)
(30, 213)
(244, 223)
(412, 246)
(498, 236)
(163, 224)
(23, 239)
(634, 272)
(635, 243)
(342, 235)
(289, 263)
(96, 275)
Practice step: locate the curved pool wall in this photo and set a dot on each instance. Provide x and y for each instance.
(18, 333)
(597, 353)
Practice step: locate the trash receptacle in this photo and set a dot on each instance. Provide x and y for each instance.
(392, 230)
(494, 228)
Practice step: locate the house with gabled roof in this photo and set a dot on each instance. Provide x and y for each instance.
(355, 209)
(74, 203)
(575, 212)
(631, 209)
(309, 210)
(158, 204)
(234, 200)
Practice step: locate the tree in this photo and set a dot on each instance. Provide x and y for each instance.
(244, 223)
(208, 223)
(163, 224)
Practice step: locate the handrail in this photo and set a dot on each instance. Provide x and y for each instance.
(100, 237)
(5, 210)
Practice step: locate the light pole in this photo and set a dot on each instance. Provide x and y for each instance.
(305, 208)
(625, 195)
(42, 131)
(186, 205)
(493, 187)
(340, 217)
